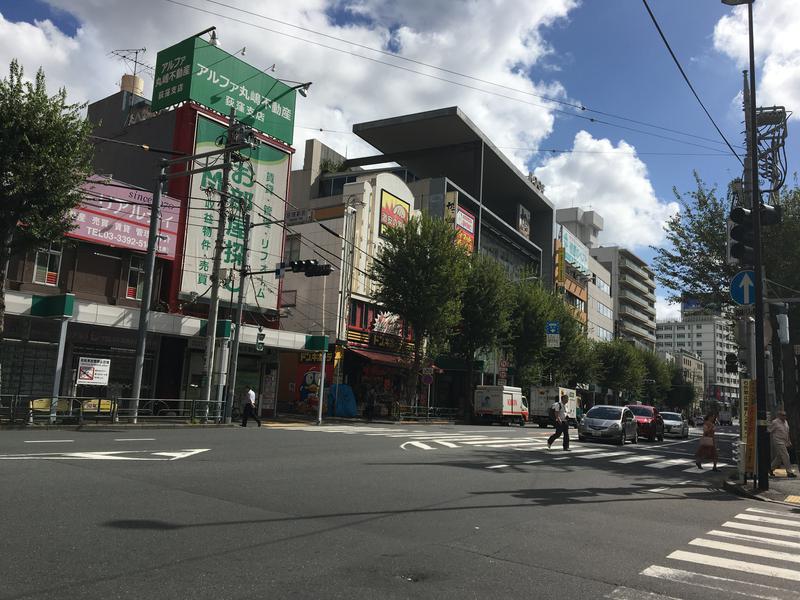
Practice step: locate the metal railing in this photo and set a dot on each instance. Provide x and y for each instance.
(424, 413)
(169, 409)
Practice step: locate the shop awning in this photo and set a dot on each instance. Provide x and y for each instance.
(392, 360)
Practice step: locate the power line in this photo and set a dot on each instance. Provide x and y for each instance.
(689, 83)
(443, 79)
(394, 55)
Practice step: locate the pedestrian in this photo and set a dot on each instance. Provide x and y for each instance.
(707, 448)
(779, 436)
(559, 412)
(250, 408)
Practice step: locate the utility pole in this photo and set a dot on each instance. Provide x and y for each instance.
(147, 292)
(237, 333)
(213, 310)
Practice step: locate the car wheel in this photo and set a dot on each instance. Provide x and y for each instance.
(581, 438)
(621, 441)
(635, 439)
(522, 422)
(661, 436)
(542, 425)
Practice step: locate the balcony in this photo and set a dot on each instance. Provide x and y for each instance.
(637, 284)
(643, 318)
(631, 266)
(638, 300)
(635, 330)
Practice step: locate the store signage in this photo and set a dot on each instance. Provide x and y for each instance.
(575, 253)
(465, 229)
(196, 70)
(523, 220)
(114, 214)
(394, 212)
(93, 371)
(258, 186)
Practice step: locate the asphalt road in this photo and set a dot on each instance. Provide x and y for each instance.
(383, 511)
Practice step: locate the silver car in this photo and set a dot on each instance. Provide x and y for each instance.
(675, 424)
(603, 422)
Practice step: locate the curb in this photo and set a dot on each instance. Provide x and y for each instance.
(740, 490)
(115, 426)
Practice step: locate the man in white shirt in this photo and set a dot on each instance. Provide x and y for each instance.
(779, 436)
(250, 408)
(562, 424)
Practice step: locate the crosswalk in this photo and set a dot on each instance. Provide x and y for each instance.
(431, 440)
(754, 555)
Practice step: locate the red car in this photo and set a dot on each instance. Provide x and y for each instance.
(649, 422)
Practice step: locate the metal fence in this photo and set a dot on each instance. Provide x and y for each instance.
(77, 410)
(424, 413)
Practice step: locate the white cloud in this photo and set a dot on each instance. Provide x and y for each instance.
(498, 41)
(614, 182)
(667, 310)
(777, 49)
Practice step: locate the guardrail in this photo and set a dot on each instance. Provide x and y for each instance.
(424, 413)
(170, 409)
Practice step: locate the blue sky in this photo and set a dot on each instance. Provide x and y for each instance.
(604, 55)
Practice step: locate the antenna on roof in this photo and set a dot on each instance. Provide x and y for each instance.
(131, 57)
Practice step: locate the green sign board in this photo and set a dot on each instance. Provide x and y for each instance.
(196, 70)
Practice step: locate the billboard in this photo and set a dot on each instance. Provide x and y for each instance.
(114, 214)
(196, 70)
(523, 221)
(394, 211)
(465, 228)
(257, 185)
(575, 253)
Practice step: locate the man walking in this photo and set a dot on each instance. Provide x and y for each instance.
(779, 435)
(250, 408)
(559, 411)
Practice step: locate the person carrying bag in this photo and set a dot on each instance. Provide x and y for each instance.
(707, 448)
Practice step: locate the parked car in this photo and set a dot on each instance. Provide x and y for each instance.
(675, 424)
(615, 423)
(699, 420)
(649, 421)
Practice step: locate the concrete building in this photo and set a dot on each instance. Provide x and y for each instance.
(692, 369)
(710, 337)
(633, 289)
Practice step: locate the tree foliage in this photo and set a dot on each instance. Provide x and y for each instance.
(693, 262)
(622, 367)
(419, 276)
(657, 377)
(45, 155)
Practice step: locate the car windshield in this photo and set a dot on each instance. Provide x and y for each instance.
(604, 412)
(641, 411)
(671, 417)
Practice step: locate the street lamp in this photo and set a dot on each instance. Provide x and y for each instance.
(762, 439)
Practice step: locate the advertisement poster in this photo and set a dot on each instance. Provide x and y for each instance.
(257, 186)
(523, 220)
(309, 371)
(114, 214)
(465, 229)
(394, 211)
(575, 253)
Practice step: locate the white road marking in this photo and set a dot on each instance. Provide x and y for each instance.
(445, 443)
(112, 455)
(489, 441)
(514, 444)
(531, 462)
(623, 593)
(577, 450)
(743, 537)
(694, 469)
(48, 441)
(669, 463)
(749, 550)
(759, 529)
(768, 520)
(638, 458)
(723, 584)
(657, 490)
(735, 565)
(497, 467)
(134, 439)
(416, 445)
(776, 513)
(603, 455)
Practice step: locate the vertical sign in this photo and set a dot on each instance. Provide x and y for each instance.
(465, 229)
(257, 185)
(523, 221)
(749, 424)
(394, 211)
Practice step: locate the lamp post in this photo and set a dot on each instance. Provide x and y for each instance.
(762, 438)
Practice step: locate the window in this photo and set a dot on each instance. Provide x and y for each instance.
(292, 248)
(680, 336)
(48, 264)
(135, 278)
(602, 285)
(698, 344)
(603, 309)
(289, 298)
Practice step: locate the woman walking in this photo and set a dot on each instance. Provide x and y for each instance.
(707, 450)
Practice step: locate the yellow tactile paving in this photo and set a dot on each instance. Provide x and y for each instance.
(793, 499)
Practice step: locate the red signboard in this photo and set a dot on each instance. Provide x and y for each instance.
(115, 214)
(465, 228)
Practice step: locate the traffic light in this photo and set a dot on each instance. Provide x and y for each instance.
(731, 363)
(310, 267)
(260, 337)
(740, 232)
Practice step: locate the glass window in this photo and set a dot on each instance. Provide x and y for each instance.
(604, 412)
(135, 278)
(641, 411)
(48, 264)
(292, 248)
(602, 285)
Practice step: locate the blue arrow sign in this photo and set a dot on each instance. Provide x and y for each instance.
(552, 327)
(743, 287)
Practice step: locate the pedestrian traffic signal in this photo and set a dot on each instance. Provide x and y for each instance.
(260, 337)
(731, 363)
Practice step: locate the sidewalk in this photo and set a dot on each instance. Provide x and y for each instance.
(782, 489)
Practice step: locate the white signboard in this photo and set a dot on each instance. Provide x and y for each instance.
(553, 340)
(575, 253)
(93, 371)
(257, 185)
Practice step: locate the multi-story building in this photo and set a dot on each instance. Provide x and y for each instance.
(633, 289)
(692, 369)
(710, 337)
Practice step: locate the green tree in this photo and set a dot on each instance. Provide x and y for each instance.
(693, 261)
(682, 393)
(45, 154)
(657, 378)
(419, 276)
(622, 368)
(485, 310)
(531, 303)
